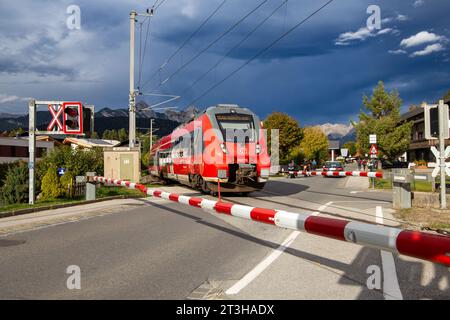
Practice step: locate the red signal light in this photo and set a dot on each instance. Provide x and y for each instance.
(73, 118)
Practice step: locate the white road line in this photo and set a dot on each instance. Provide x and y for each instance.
(260, 267)
(391, 288)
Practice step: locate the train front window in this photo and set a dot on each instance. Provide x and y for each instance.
(233, 125)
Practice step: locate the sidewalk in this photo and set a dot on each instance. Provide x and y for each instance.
(44, 218)
(357, 183)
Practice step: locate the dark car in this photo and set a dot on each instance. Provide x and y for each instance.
(333, 166)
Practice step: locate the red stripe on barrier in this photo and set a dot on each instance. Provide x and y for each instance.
(195, 202)
(326, 227)
(263, 215)
(335, 173)
(127, 183)
(173, 197)
(348, 173)
(424, 246)
(157, 193)
(223, 207)
(363, 174)
(379, 174)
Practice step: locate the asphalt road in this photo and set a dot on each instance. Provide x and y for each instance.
(156, 249)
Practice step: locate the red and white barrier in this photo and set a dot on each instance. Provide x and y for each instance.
(427, 246)
(340, 173)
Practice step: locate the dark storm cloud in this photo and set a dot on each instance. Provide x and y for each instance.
(309, 74)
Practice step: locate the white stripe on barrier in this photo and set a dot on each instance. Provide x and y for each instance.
(165, 195)
(132, 185)
(356, 173)
(123, 183)
(184, 199)
(241, 211)
(290, 220)
(208, 204)
(372, 235)
(150, 192)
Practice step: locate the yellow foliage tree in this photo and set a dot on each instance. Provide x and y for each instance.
(314, 144)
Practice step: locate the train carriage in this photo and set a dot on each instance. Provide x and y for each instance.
(225, 143)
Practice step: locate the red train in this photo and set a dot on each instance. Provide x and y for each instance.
(225, 143)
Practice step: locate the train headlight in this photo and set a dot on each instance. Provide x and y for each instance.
(265, 173)
(258, 149)
(223, 147)
(222, 174)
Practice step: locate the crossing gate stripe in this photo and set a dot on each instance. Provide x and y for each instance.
(263, 215)
(374, 236)
(329, 227)
(173, 197)
(424, 246)
(240, 211)
(223, 207)
(196, 202)
(290, 220)
(184, 199)
(208, 204)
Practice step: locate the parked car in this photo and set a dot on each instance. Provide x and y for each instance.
(333, 166)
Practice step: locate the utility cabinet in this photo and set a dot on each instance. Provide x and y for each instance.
(122, 163)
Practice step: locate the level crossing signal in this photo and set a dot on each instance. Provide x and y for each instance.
(72, 117)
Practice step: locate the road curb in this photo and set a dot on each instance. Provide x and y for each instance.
(12, 213)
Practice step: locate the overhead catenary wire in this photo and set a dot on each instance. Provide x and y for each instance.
(262, 51)
(212, 43)
(235, 46)
(189, 38)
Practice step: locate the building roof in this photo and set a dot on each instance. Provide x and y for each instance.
(91, 143)
(411, 113)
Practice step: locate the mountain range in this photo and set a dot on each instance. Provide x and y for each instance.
(338, 131)
(108, 118)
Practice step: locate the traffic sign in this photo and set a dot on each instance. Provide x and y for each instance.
(372, 138)
(373, 149)
(437, 154)
(61, 171)
(55, 110)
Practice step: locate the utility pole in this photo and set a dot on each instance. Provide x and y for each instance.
(151, 133)
(31, 149)
(132, 94)
(442, 127)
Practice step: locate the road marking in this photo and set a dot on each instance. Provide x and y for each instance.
(391, 288)
(260, 267)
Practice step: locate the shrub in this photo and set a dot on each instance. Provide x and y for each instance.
(15, 188)
(51, 188)
(65, 181)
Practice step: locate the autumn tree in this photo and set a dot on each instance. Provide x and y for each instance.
(383, 119)
(351, 146)
(314, 144)
(290, 133)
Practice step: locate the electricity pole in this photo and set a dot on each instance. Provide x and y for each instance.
(442, 134)
(151, 133)
(132, 93)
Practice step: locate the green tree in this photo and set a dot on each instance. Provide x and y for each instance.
(51, 188)
(15, 187)
(290, 133)
(383, 119)
(106, 135)
(446, 97)
(314, 144)
(351, 146)
(122, 135)
(94, 135)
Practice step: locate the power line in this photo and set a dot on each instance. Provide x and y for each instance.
(142, 60)
(260, 52)
(212, 43)
(236, 46)
(160, 4)
(187, 40)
